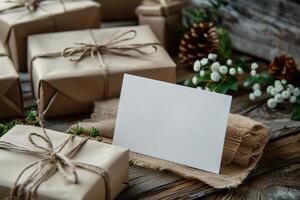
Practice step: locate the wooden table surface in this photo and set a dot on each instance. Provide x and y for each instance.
(277, 175)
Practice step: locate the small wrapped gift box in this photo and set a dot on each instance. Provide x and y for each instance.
(18, 20)
(164, 18)
(11, 103)
(118, 9)
(89, 169)
(66, 84)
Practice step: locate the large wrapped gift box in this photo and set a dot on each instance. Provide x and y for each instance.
(164, 20)
(118, 9)
(67, 87)
(11, 103)
(50, 16)
(113, 159)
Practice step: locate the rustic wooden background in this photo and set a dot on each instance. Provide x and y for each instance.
(263, 28)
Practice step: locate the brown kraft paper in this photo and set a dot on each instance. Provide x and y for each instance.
(164, 20)
(118, 10)
(66, 87)
(50, 16)
(113, 159)
(11, 103)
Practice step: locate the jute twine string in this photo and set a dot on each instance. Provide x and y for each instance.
(52, 161)
(30, 5)
(113, 46)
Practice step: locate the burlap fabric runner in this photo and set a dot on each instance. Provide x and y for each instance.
(244, 144)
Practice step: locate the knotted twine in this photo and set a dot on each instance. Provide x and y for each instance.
(113, 46)
(30, 5)
(52, 161)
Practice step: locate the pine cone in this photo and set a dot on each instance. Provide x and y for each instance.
(198, 42)
(283, 67)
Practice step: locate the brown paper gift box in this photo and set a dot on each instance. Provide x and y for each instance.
(66, 87)
(164, 21)
(90, 185)
(50, 16)
(11, 103)
(118, 9)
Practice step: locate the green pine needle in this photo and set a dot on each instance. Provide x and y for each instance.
(32, 118)
(78, 130)
(95, 132)
(225, 50)
(4, 128)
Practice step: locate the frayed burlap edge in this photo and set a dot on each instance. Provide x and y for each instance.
(233, 177)
(230, 176)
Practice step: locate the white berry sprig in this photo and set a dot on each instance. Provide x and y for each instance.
(214, 76)
(254, 67)
(277, 91)
(256, 92)
(257, 81)
(282, 92)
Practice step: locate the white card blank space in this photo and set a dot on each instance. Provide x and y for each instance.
(172, 122)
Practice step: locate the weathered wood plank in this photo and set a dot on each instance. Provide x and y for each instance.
(263, 29)
(282, 152)
(279, 184)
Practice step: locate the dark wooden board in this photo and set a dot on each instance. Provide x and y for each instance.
(277, 175)
(263, 28)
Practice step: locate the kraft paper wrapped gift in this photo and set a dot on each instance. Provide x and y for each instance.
(49, 16)
(11, 103)
(68, 87)
(111, 159)
(118, 9)
(164, 20)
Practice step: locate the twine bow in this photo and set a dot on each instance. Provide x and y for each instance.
(113, 46)
(30, 5)
(52, 161)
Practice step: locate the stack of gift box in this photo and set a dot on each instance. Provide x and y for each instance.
(72, 63)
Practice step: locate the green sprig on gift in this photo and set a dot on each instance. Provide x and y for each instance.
(93, 133)
(213, 76)
(31, 118)
(78, 130)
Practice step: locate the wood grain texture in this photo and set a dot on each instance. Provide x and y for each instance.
(263, 28)
(277, 175)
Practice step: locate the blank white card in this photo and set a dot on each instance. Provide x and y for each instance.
(172, 122)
